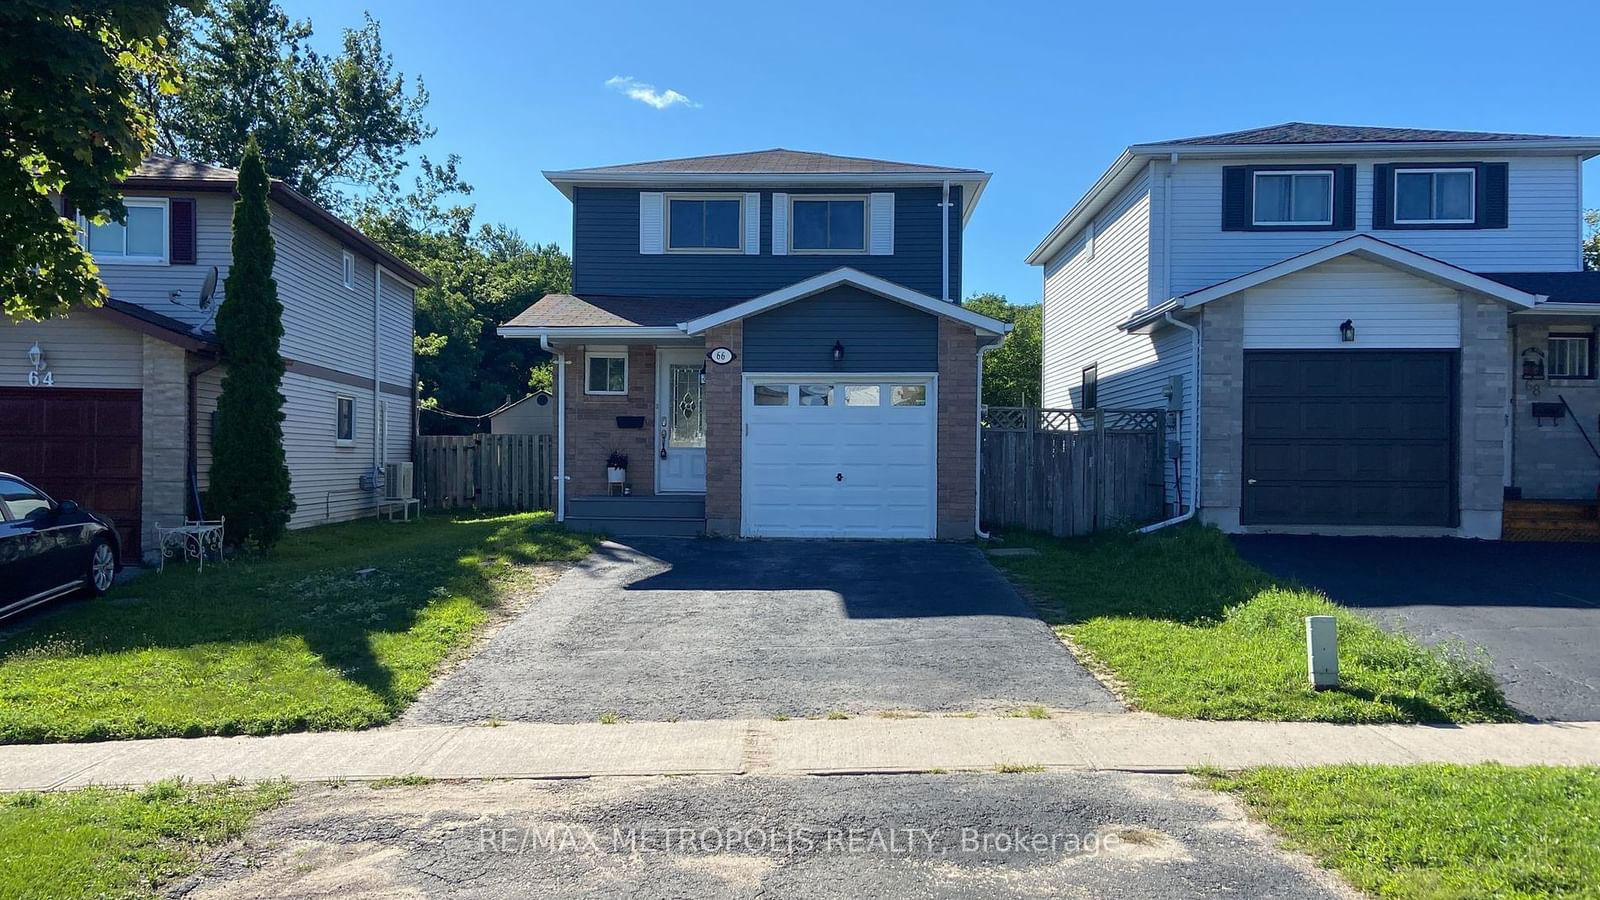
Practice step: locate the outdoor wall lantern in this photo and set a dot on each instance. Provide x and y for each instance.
(1347, 331)
(36, 357)
(1532, 364)
(838, 352)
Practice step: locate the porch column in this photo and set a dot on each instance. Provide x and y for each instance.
(724, 401)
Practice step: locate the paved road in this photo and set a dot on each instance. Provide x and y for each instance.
(940, 836)
(1535, 608)
(704, 629)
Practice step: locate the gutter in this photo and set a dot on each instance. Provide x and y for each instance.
(561, 424)
(1194, 374)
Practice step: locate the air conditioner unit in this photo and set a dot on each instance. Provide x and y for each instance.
(397, 481)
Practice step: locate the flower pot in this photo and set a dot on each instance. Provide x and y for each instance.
(615, 476)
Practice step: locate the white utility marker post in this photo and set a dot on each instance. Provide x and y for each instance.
(1322, 652)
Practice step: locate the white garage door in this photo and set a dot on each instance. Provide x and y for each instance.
(828, 457)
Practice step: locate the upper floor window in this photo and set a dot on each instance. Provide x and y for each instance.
(829, 224)
(142, 239)
(1434, 196)
(1294, 198)
(1571, 355)
(705, 223)
(348, 270)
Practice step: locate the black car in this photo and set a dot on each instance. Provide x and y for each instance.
(48, 549)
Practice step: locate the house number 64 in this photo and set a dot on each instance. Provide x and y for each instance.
(46, 378)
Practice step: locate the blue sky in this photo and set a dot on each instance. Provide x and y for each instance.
(1044, 95)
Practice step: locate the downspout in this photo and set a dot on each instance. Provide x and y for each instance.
(561, 424)
(944, 206)
(977, 498)
(377, 313)
(1194, 379)
(192, 433)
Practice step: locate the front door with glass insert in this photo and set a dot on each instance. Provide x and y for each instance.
(681, 422)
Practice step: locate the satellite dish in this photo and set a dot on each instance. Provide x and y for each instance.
(208, 288)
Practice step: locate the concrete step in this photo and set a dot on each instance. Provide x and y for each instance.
(628, 526)
(663, 506)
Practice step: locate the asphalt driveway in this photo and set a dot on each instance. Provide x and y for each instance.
(702, 629)
(1534, 608)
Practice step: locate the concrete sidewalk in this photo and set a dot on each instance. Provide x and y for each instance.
(1136, 742)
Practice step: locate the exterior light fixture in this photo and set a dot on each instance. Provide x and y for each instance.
(36, 357)
(1347, 331)
(1532, 364)
(838, 352)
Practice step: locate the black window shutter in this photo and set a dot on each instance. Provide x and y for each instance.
(1344, 198)
(1236, 198)
(181, 230)
(1493, 196)
(1382, 209)
(67, 210)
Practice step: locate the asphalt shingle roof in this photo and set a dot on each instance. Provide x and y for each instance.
(568, 311)
(1314, 133)
(777, 161)
(1560, 287)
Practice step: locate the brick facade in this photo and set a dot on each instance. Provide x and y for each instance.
(725, 433)
(1484, 385)
(591, 425)
(1221, 412)
(164, 457)
(957, 431)
(1551, 461)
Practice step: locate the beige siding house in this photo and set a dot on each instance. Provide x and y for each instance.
(117, 410)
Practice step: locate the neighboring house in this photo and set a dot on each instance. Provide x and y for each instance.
(773, 341)
(117, 411)
(1364, 330)
(533, 414)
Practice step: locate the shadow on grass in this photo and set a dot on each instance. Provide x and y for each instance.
(367, 600)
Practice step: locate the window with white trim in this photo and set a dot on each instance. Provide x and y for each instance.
(1570, 355)
(344, 420)
(606, 372)
(827, 224)
(348, 270)
(1435, 196)
(1293, 197)
(705, 223)
(142, 239)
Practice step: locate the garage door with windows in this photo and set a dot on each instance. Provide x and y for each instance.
(78, 444)
(1349, 438)
(832, 457)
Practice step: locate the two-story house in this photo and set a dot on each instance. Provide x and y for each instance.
(772, 340)
(112, 406)
(1360, 330)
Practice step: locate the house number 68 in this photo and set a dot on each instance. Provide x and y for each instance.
(46, 378)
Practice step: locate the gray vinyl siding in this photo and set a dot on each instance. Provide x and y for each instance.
(208, 388)
(151, 285)
(81, 351)
(607, 261)
(878, 335)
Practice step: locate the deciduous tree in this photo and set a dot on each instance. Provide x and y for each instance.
(1011, 374)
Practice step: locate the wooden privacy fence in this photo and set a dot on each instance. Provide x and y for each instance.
(1070, 472)
(485, 471)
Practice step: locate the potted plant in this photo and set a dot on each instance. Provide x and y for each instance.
(616, 467)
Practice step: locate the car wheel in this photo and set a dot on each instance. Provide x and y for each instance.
(102, 567)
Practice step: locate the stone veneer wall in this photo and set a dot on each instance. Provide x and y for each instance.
(591, 426)
(957, 431)
(725, 433)
(164, 456)
(1552, 462)
(1484, 386)
(1221, 412)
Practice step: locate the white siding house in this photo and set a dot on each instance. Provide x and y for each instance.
(1277, 337)
(151, 353)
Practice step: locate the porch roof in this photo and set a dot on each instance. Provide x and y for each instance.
(592, 311)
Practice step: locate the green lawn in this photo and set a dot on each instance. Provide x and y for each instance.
(104, 842)
(297, 641)
(1191, 630)
(1438, 831)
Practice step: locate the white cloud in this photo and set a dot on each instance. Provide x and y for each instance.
(647, 93)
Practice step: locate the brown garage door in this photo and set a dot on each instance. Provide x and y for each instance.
(1349, 438)
(78, 445)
